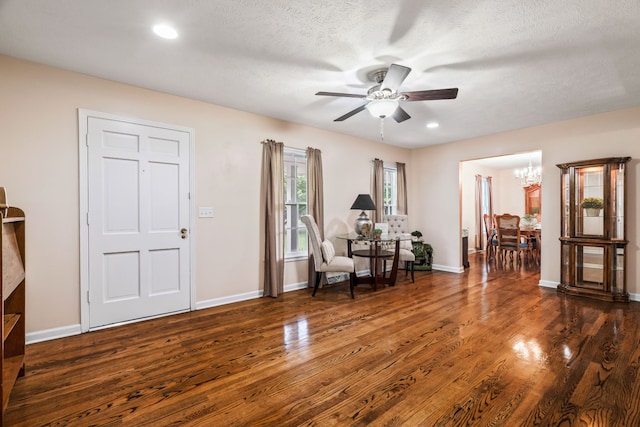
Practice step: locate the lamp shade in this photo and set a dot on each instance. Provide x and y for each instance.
(364, 203)
(382, 107)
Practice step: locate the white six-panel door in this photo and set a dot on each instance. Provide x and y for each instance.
(138, 183)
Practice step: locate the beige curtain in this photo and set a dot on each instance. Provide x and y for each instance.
(272, 213)
(479, 219)
(378, 186)
(315, 202)
(403, 207)
(315, 197)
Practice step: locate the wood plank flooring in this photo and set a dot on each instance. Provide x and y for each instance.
(483, 348)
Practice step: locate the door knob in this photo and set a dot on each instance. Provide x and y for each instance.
(183, 233)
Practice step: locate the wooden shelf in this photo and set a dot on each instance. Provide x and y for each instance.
(12, 290)
(11, 368)
(10, 320)
(12, 219)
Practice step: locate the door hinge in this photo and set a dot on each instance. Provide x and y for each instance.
(88, 297)
(87, 218)
(86, 139)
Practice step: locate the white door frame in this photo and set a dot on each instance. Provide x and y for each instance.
(83, 119)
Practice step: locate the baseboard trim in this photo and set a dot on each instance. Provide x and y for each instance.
(447, 268)
(548, 284)
(228, 300)
(52, 334)
(295, 286)
(215, 302)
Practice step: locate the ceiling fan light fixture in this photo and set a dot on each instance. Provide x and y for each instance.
(165, 31)
(382, 107)
(432, 125)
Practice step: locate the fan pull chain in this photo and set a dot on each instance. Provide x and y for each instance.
(382, 128)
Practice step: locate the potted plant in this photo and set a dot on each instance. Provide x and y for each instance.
(424, 256)
(528, 220)
(592, 205)
(416, 235)
(377, 233)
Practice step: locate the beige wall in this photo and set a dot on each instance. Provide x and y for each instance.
(436, 211)
(39, 168)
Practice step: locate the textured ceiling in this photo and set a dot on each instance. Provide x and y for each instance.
(516, 63)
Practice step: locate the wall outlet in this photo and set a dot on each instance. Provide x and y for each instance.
(205, 212)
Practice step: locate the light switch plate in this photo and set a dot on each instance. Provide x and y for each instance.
(205, 212)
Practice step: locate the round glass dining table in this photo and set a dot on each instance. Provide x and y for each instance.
(377, 255)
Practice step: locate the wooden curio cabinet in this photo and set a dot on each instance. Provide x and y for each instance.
(593, 240)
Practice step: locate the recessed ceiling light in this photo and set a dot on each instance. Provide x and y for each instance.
(165, 31)
(432, 125)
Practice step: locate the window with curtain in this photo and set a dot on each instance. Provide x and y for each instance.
(390, 190)
(295, 196)
(486, 193)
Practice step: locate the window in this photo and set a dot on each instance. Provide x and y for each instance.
(485, 202)
(390, 190)
(295, 197)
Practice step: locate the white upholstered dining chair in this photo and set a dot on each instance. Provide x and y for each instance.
(399, 227)
(324, 256)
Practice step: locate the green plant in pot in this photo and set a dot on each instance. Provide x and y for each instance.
(528, 220)
(377, 233)
(592, 205)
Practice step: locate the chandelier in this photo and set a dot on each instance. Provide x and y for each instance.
(529, 176)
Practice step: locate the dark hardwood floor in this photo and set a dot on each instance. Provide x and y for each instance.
(485, 348)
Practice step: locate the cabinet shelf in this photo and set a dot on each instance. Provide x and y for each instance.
(10, 321)
(12, 219)
(12, 288)
(11, 368)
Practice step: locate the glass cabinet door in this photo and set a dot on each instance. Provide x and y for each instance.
(589, 199)
(590, 266)
(565, 203)
(617, 202)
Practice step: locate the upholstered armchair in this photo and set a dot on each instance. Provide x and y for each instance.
(399, 226)
(324, 256)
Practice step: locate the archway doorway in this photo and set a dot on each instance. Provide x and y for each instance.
(491, 185)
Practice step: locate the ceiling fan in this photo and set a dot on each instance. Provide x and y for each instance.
(383, 99)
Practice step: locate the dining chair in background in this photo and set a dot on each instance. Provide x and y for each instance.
(491, 236)
(509, 238)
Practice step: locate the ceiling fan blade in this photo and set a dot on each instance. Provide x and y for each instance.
(395, 76)
(345, 95)
(351, 113)
(430, 95)
(400, 115)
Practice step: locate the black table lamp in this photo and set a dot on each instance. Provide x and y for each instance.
(363, 224)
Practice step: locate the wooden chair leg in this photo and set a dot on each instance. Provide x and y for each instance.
(413, 279)
(315, 288)
(352, 283)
